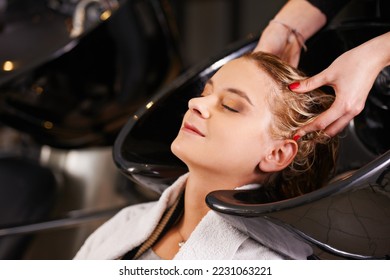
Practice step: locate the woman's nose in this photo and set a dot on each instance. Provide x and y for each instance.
(200, 106)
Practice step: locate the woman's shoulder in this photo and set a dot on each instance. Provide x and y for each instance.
(108, 235)
(216, 239)
(129, 227)
(248, 249)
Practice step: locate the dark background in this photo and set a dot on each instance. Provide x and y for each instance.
(206, 27)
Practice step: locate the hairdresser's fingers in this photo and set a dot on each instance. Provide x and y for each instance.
(337, 126)
(310, 83)
(322, 122)
(293, 60)
(347, 111)
(332, 121)
(291, 54)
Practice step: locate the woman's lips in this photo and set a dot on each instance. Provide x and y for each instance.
(192, 129)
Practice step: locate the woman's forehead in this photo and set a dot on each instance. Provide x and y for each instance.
(239, 69)
(244, 74)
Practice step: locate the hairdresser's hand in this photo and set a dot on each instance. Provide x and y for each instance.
(352, 76)
(276, 39)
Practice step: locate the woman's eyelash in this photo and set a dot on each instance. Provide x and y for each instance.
(204, 94)
(230, 108)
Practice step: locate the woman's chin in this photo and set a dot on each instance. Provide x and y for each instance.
(179, 150)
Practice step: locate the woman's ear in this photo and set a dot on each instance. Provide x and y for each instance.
(280, 157)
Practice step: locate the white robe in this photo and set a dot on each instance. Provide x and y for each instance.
(213, 238)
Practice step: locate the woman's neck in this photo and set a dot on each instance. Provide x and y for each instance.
(194, 207)
(198, 186)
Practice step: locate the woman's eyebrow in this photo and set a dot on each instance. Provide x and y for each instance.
(241, 94)
(235, 91)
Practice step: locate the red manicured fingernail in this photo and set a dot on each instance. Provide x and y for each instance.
(296, 138)
(294, 85)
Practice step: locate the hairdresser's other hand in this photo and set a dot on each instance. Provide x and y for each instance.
(352, 76)
(278, 39)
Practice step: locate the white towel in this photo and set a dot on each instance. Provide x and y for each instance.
(213, 238)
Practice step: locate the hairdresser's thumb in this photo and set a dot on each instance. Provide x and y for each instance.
(308, 84)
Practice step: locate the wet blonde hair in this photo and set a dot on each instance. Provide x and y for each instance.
(316, 156)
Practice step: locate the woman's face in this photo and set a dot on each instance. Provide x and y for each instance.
(226, 130)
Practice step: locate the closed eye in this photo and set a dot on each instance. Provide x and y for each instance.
(230, 108)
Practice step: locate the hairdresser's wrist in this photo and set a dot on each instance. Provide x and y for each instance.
(382, 43)
(302, 16)
(376, 52)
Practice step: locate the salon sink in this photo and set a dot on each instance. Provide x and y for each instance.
(71, 90)
(347, 219)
